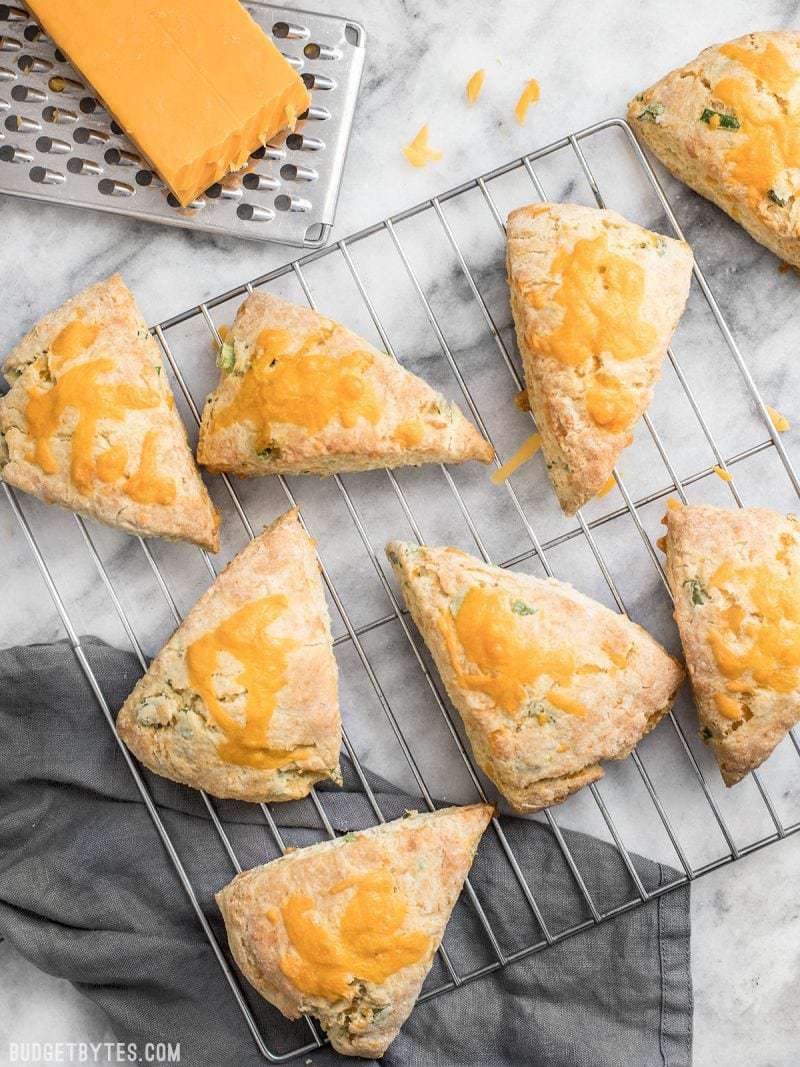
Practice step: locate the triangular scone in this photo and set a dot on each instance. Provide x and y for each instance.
(346, 930)
(595, 300)
(735, 577)
(300, 394)
(547, 681)
(90, 423)
(242, 700)
(727, 125)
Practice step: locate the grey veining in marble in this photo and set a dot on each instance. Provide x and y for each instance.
(589, 59)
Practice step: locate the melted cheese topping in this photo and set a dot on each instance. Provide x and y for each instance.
(530, 95)
(368, 944)
(305, 387)
(506, 656)
(767, 144)
(70, 342)
(600, 294)
(769, 65)
(147, 486)
(526, 451)
(727, 706)
(79, 400)
(610, 404)
(419, 153)
(112, 464)
(262, 662)
(475, 85)
(758, 646)
(409, 434)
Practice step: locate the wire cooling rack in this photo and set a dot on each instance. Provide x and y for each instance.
(432, 279)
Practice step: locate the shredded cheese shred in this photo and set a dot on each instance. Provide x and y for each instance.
(726, 476)
(780, 422)
(475, 86)
(419, 153)
(527, 451)
(530, 95)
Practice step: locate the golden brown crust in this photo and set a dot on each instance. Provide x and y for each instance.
(537, 752)
(123, 339)
(166, 723)
(444, 435)
(722, 610)
(667, 118)
(579, 453)
(428, 857)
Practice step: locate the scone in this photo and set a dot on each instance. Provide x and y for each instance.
(346, 930)
(300, 394)
(735, 577)
(547, 681)
(90, 423)
(595, 300)
(242, 700)
(728, 124)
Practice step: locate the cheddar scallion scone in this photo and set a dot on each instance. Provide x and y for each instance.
(242, 700)
(90, 423)
(300, 394)
(595, 300)
(346, 930)
(728, 124)
(547, 681)
(735, 577)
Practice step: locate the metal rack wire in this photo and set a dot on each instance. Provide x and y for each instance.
(708, 808)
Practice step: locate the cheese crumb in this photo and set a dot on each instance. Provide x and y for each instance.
(475, 85)
(530, 94)
(418, 153)
(672, 503)
(780, 422)
(720, 472)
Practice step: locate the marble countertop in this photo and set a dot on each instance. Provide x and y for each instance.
(589, 59)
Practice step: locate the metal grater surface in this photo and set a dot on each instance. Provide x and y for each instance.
(59, 143)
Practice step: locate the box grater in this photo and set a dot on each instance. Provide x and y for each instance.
(59, 143)
(428, 284)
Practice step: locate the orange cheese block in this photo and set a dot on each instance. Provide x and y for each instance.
(195, 83)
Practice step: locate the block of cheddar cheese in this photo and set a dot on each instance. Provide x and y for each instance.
(196, 84)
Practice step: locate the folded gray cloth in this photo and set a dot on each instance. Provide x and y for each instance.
(87, 893)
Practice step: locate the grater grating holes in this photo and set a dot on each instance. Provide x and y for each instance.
(49, 91)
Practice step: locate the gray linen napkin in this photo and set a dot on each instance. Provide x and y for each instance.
(87, 893)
